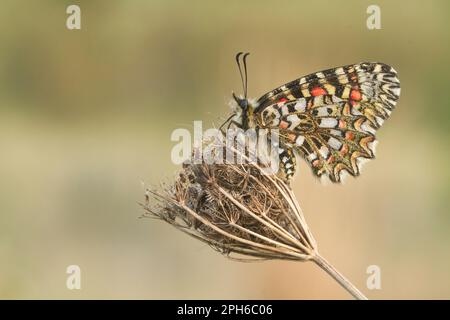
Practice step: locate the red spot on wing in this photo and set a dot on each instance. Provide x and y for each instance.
(284, 125)
(282, 100)
(318, 91)
(349, 135)
(316, 163)
(355, 95)
(344, 149)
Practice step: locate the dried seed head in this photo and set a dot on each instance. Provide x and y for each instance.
(240, 212)
(237, 209)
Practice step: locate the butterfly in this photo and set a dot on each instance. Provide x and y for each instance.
(329, 118)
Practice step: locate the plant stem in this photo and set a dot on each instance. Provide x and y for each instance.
(336, 275)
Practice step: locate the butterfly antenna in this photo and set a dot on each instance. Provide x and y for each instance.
(238, 62)
(245, 73)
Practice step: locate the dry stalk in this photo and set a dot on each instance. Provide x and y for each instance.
(240, 212)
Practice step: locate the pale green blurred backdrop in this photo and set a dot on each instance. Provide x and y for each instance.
(86, 115)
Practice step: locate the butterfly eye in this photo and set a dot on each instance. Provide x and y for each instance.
(243, 103)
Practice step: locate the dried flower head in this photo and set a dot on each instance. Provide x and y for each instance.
(239, 211)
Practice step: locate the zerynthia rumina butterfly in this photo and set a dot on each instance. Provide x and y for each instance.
(329, 118)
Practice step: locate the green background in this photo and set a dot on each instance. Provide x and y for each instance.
(86, 115)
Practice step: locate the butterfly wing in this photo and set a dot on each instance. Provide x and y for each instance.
(331, 117)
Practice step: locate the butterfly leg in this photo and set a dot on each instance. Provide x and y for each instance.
(228, 121)
(229, 124)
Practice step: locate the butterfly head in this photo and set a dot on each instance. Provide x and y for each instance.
(244, 111)
(241, 102)
(244, 108)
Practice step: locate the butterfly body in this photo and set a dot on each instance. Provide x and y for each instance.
(329, 118)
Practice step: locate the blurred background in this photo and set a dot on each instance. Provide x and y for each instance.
(86, 116)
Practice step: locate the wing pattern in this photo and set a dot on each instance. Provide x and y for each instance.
(330, 117)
